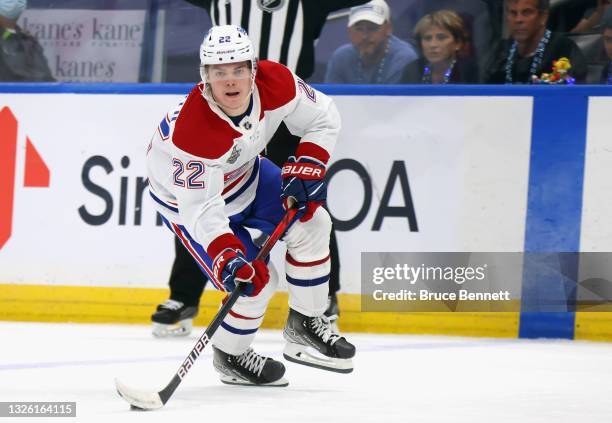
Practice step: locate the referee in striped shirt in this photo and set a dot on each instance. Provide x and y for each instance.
(283, 31)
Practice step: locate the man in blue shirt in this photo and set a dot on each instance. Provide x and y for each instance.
(374, 56)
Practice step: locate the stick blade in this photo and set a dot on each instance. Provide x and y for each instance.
(139, 399)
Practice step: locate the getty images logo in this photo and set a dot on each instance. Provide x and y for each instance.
(36, 172)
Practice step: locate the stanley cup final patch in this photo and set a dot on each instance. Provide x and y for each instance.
(271, 6)
(234, 155)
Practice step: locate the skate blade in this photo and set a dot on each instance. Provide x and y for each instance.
(300, 354)
(182, 328)
(233, 380)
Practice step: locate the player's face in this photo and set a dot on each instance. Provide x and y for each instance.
(439, 45)
(607, 37)
(368, 38)
(524, 19)
(231, 86)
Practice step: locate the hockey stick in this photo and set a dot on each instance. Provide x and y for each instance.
(152, 400)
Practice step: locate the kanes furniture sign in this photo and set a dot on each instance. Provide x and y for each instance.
(89, 45)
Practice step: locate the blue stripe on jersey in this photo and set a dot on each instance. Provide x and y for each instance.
(158, 201)
(307, 282)
(236, 330)
(247, 184)
(164, 128)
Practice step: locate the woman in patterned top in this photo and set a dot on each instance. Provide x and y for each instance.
(442, 38)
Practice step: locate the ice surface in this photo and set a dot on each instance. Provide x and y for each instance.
(396, 379)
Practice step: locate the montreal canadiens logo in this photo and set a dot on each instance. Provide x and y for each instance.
(271, 6)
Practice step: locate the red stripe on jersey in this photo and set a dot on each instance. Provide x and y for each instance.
(296, 263)
(200, 131)
(310, 149)
(233, 184)
(196, 256)
(275, 84)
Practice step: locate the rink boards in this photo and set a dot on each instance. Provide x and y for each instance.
(502, 169)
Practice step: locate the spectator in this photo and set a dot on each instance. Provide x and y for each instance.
(21, 56)
(374, 56)
(593, 17)
(478, 20)
(606, 74)
(532, 48)
(441, 36)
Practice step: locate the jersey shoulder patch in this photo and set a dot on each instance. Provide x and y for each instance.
(276, 85)
(200, 131)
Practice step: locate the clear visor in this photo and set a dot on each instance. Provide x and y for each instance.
(214, 74)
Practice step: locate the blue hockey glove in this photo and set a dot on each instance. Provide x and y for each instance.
(303, 180)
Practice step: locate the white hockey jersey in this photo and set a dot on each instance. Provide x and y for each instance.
(203, 168)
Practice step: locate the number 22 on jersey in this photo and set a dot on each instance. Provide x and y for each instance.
(194, 171)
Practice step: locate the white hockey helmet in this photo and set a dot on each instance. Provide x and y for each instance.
(226, 44)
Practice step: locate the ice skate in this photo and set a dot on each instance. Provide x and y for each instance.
(173, 318)
(249, 368)
(311, 342)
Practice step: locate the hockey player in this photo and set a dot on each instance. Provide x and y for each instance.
(209, 184)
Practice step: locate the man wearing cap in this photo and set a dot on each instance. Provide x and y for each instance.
(374, 56)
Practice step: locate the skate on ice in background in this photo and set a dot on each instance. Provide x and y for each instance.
(173, 318)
